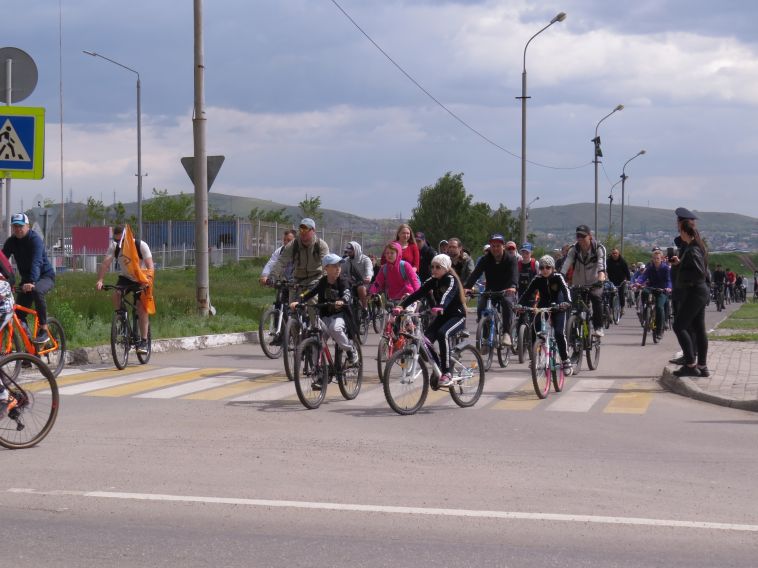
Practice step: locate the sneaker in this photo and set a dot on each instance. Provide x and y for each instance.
(277, 341)
(704, 372)
(686, 371)
(506, 340)
(42, 336)
(316, 385)
(141, 347)
(567, 366)
(678, 361)
(598, 332)
(445, 380)
(352, 357)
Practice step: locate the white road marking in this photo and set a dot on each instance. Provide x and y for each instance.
(507, 515)
(120, 380)
(582, 396)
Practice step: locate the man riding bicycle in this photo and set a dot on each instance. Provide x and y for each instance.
(126, 281)
(359, 269)
(657, 274)
(587, 259)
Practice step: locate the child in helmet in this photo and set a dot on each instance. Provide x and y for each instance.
(552, 289)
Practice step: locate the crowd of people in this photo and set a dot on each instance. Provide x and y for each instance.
(409, 269)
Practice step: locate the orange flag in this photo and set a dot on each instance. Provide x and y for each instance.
(130, 262)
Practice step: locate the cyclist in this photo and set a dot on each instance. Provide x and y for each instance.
(336, 318)
(731, 278)
(501, 274)
(449, 301)
(657, 274)
(461, 261)
(552, 289)
(719, 280)
(396, 277)
(7, 403)
(306, 253)
(527, 267)
(126, 281)
(359, 270)
(37, 274)
(618, 274)
(587, 259)
(442, 246)
(410, 252)
(426, 254)
(287, 237)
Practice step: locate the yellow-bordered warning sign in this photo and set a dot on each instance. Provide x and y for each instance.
(22, 142)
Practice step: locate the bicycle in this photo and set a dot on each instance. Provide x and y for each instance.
(406, 379)
(545, 365)
(272, 322)
(489, 332)
(315, 367)
(125, 331)
(33, 401)
(649, 317)
(720, 301)
(17, 337)
(360, 317)
(295, 328)
(391, 339)
(376, 312)
(579, 331)
(524, 339)
(611, 305)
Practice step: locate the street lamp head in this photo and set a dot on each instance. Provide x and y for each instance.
(620, 107)
(559, 18)
(92, 53)
(641, 152)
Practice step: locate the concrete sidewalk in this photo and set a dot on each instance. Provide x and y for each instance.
(734, 376)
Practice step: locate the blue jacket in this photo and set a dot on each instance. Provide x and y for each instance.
(30, 256)
(656, 278)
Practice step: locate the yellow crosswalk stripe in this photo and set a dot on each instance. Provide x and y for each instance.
(522, 398)
(236, 389)
(436, 396)
(635, 399)
(101, 374)
(151, 384)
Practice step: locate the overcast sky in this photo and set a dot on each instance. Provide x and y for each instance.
(300, 102)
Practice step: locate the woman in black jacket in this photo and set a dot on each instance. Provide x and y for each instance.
(692, 297)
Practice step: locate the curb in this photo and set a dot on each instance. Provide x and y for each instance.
(102, 353)
(685, 386)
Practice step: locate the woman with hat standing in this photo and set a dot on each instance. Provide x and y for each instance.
(692, 294)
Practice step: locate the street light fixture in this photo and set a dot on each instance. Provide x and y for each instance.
(623, 195)
(558, 18)
(599, 154)
(528, 205)
(139, 136)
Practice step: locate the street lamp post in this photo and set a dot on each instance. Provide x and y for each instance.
(610, 207)
(139, 136)
(558, 18)
(623, 195)
(598, 155)
(528, 205)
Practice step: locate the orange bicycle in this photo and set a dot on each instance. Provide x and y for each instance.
(16, 337)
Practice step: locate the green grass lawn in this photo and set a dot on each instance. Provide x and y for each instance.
(235, 293)
(743, 324)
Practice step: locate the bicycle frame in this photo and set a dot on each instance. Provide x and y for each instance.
(14, 323)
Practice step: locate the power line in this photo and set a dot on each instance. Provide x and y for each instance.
(441, 105)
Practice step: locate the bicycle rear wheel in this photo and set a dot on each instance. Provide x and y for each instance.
(10, 345)
(503, 356)
(120, 339)
(289, 346)
(406, 383)
(467, 372)
(645, 324)
(575, 346)
(593, 353)
(616, 310)
(53, 351)
(559, 375)
(363, 325)
(36, 395)
(270, 340)
(484, 342)
(350, 377)
(383, 352)
(540, 368)
(145, 357)
(523, 339)
(310, 372)
(377, 315)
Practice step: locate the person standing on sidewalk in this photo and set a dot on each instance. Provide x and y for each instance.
(692, 296)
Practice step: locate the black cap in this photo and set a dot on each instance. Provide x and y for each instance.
(683, 213)
(584, 229)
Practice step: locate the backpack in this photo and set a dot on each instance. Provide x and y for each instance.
(137, 243)
(6, 269)
(403, 273)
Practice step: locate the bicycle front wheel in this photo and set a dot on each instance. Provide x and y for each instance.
(575, 346)
(270, 340)
(10, 342)
(467, 373)
(645, 325)
(378, 315)
(53, 351)
(289, 346)
(406, 382)
(593, 353)
(120, 339)
(145, 357)
(523, 338)
(310, 372)
(540, 367)
(559, 375)
(350, 377)
(35, 393)
(616, 310)
(484, 341)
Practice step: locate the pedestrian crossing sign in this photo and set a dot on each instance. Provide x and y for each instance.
(22, 142)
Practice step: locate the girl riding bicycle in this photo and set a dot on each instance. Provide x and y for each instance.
(552, 289)
(450, 306)
(397, 278)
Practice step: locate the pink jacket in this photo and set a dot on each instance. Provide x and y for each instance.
(394, 285)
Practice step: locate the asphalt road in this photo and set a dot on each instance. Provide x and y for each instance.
(611, 472)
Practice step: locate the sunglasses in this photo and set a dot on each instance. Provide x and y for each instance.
(546, 267)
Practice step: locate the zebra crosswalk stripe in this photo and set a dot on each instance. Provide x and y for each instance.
(156, 383)
(120, 379)
(582, 396)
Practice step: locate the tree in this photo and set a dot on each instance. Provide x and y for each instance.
(117, 214)
(270, 216)
(311, 207)
(165, 207)
(95, 212)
